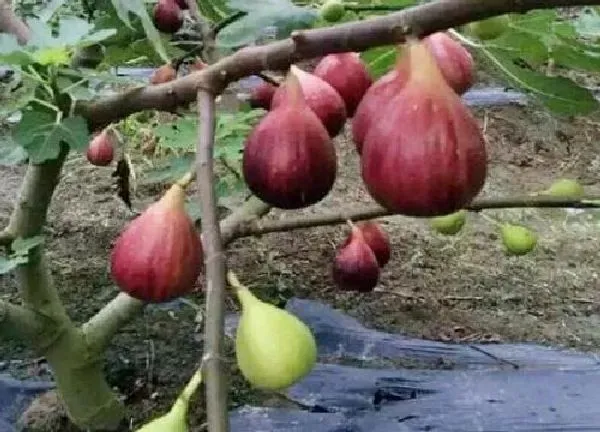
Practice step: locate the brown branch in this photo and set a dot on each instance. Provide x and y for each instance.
(11, 23)
(420, 20)
(258, 227)
(216, 380)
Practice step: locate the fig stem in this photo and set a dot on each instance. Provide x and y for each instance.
(234, 281)
(192, 384)
(350, 223)
(187, 179)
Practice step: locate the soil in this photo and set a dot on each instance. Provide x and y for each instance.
(459, 288)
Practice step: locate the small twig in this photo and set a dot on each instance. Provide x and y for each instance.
(463, 298)
(374, 8)
(259, 227)
(226, 21)
(268, 79)
(492, 356)
(216, 387)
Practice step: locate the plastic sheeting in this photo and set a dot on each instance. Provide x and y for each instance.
(448, 388)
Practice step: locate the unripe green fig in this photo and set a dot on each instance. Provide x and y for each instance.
(565, 188)
(333, 10)
(173, 421)
(449, 224)
(274, 349)
(489, 28)
(517, 239)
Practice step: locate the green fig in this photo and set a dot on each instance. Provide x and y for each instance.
(449, 224)
(274, 349)
(517, 239)
(333, 11)
(489, 28)
(565, 188)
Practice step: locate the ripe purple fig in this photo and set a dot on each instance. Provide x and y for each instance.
(182, 4)
(159, 255)
(346, 73)
(426, 156)
(377, 239)
(167, 16)
(289, 159)
(261, 95)
(355, 267)
(163, 74)
(100, 151)
(320, 97)
(453, 59)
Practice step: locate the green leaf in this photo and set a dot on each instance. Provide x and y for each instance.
(213, 10)
(169, 170)
(11, 153)
(16, 94)
(9, 264)
(40, 134)
(22, 246)
(380, 60)
(138, 8)
(588, 23)
(49, 10)
(522, 44)
(561, 95)
(282, 14)
(179, 135)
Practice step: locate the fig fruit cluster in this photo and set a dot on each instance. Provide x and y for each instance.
(423, 153)
(360, 258)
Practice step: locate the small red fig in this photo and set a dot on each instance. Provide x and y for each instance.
(163, 74)
(167, 16)
(182, 4)
(372, 103)
(289, 159)
(426, 156)
(377, 239)
(321, 97)
(159, 255)
(355, 267)
(100, 151)
(261, 95)
(453, 59)
(346, 73)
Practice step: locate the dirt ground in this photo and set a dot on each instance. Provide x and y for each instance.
(459, 288)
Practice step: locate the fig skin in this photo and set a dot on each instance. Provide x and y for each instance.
(373, 102)
(167, 16)
(346, 73)
(261, 95)
(100, 151)
(355, 266)
(274, 349)
(517, 240)
(426, 156)
(163, 74)
(377, 239)
(321, 97)
(159, 255)
(289, 159)
(453, 59)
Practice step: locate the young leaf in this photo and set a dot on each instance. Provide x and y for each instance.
(40, 134)
(22, 246)
(10, 152)
(379, 60)
(9, 264)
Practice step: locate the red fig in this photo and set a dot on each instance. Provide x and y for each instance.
(100, 150)
(182, 4)
(373, 102)
(163, 74)
(454, 60)
(159, 255)
(167, 16)
(289, 159)
(321, 97)
(377, 239)
(261, 95)
(346, 73)
(355, 267)
(426, 156)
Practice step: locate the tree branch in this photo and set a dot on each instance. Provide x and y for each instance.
(19, 323)
(216, 380)
(258, 227)
(11, 23)
(226, 21)
(420, 20)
